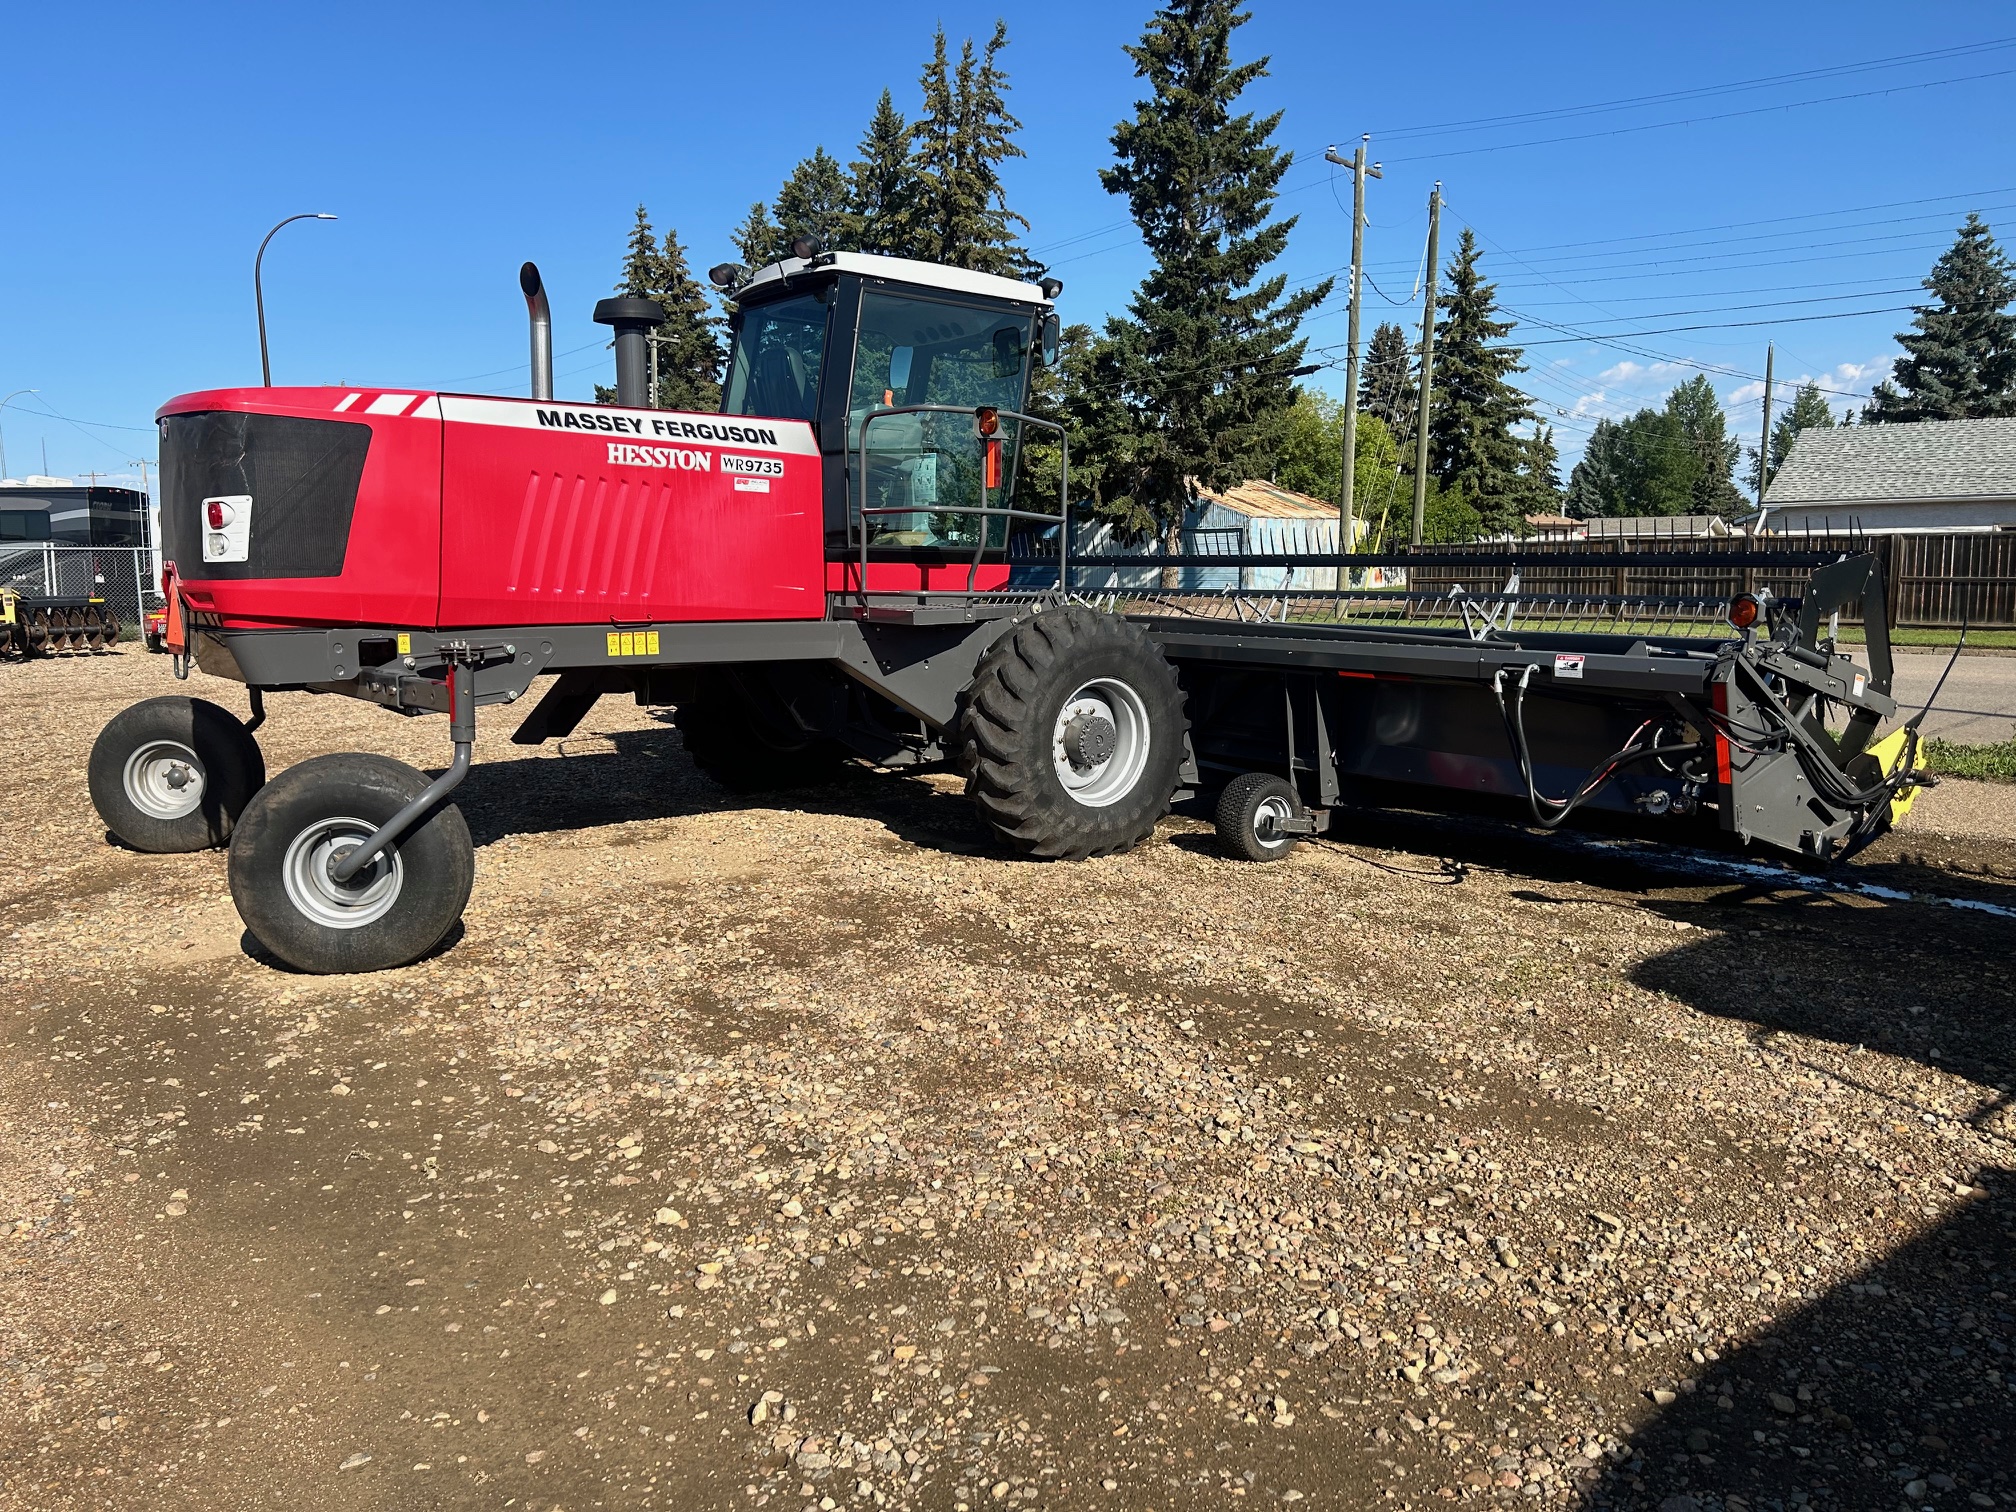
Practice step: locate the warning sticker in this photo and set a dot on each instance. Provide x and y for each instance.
(633, 642)
(1568, 664)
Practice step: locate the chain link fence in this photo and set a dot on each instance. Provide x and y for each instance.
(123, 576)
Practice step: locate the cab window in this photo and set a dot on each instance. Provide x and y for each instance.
(779, 352)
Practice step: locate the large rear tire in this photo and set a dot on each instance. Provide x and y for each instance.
(1073, 733)
(393, 912)
(746, 747)
(173, 774)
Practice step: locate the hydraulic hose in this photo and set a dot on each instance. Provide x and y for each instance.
(1550, 813)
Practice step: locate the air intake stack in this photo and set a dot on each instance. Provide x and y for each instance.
(632, 319)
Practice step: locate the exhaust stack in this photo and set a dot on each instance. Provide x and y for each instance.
(632, 318)
(542, 330)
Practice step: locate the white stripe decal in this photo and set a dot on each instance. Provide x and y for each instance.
(388, 404)
(607, 422)
(348, 400)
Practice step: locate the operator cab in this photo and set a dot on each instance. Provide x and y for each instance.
(838, 338)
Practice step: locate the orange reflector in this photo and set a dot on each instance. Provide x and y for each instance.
(993, 461)
(987, 419)
(1743, 610)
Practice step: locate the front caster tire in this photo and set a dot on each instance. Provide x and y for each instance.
(173, 774)
(1073, 735)
(393, 912)
(1250, 813)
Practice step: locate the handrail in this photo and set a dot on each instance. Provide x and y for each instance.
(863, 511)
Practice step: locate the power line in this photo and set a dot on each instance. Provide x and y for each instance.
(1728, 115)
(1701, 92)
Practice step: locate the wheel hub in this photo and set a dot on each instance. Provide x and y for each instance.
(1099, 744)
(366, 897)
(164, 780)
(1089, 740)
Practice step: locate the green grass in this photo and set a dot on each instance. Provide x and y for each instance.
(1986, 640)
(1985, 763)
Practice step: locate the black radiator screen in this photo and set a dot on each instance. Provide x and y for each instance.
(302, 476)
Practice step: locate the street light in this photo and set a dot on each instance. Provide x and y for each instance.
(3, 439)
(259, 293)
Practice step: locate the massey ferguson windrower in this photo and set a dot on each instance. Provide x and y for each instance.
(839, 566)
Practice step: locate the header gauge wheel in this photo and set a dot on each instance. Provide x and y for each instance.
(393, 911)
(1251, 812)
(173, 774)
(1072, 736)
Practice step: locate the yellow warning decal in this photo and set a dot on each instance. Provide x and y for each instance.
(405, 644)
(633, 642)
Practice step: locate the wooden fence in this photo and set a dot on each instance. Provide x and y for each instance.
(1930, 581)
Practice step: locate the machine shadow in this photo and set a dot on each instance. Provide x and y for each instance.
(1897, 1383)
(1891, 1389)
(646, 774)
(1931, 984)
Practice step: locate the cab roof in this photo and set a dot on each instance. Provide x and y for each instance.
(896, 270)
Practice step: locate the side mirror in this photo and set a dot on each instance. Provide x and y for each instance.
(899, 367)
(1053, 331)
(1008, 351)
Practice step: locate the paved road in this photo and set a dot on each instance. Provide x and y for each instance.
(1978, 703)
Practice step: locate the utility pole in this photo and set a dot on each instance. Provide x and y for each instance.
(1360, 171)
(1764, 440)
(1427, 366)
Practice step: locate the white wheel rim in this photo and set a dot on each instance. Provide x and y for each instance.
(366, 897)
(1099, 744)
(1268, 817)
(164, 780)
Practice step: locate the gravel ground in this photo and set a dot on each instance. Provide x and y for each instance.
(816, 1155)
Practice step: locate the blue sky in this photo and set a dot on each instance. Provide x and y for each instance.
(149, 148)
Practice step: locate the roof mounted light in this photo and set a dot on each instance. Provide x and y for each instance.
(806, 247)
(726, 276)
(1051, 286)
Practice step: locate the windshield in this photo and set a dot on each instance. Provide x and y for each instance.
(922, 351)
(778, 354)
(918, 351)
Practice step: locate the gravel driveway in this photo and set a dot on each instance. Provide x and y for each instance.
(817, 1155)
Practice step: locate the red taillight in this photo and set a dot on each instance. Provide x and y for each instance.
(215, 511)
(1743, 610)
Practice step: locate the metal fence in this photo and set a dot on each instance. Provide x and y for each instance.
(123, 576)
(1930, 581)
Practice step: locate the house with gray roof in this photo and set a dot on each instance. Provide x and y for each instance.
(1940, 476)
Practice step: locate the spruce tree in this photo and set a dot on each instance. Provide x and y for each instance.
(1387, 388)
(1540, 474)
(1697, 417)
(757, 241)
(1204, 357)
(1960, 355)
(1595, 484)
(688, 346)
(1473, 449)
(1808, 411)
(959, 143)
(883, 187)
(813, 202)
